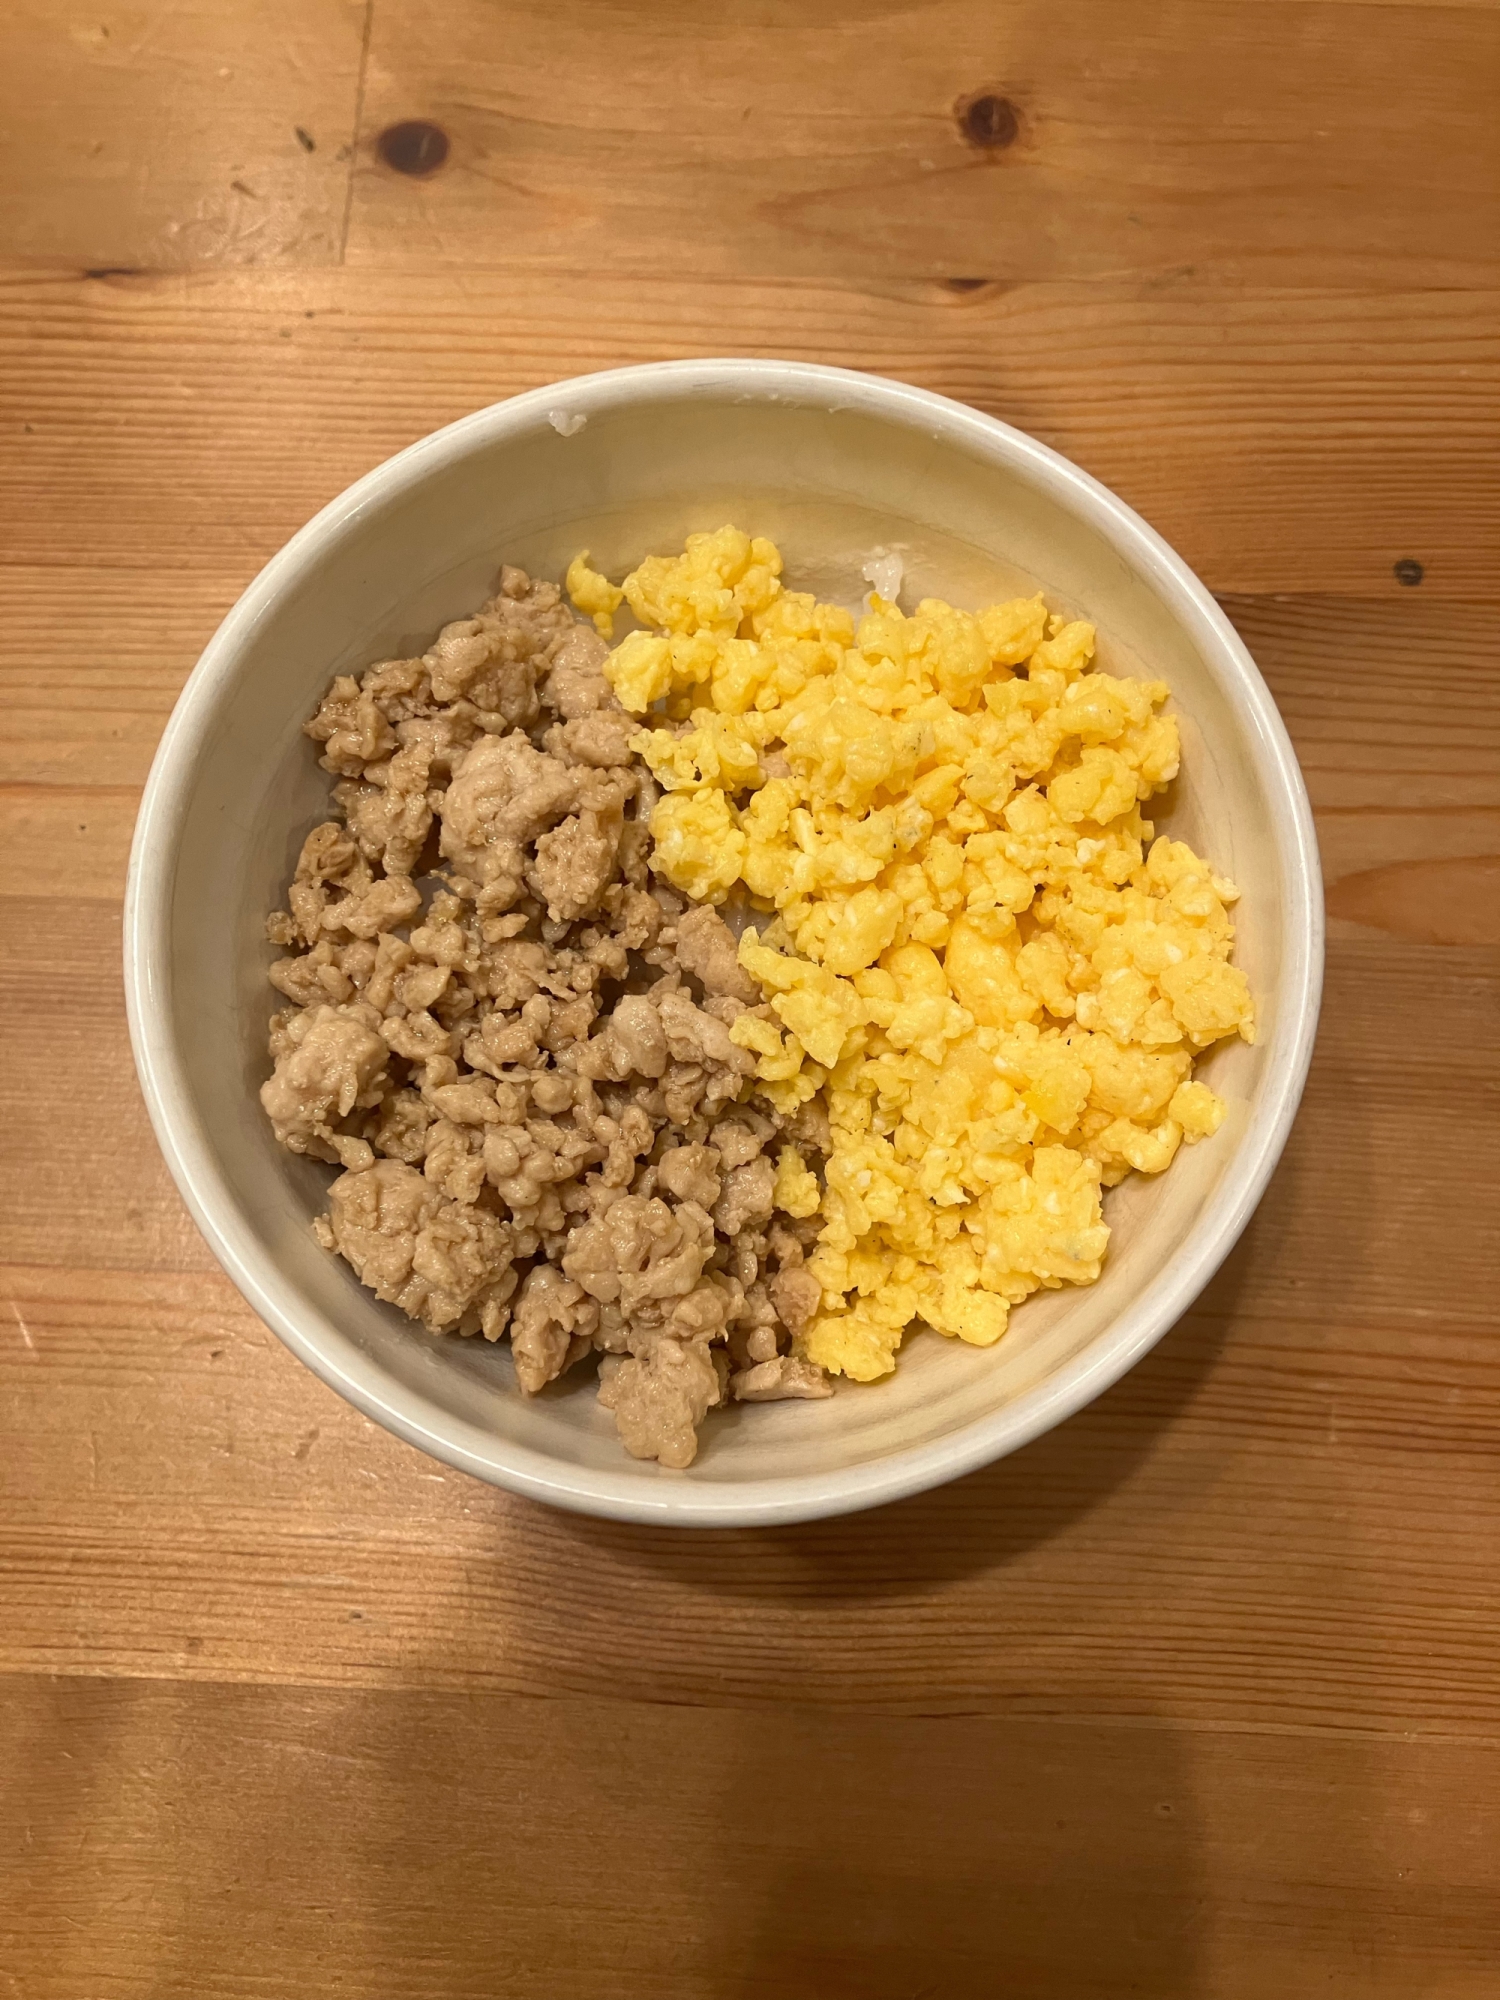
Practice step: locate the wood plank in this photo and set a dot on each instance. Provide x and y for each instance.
(1395, 712)
(1280, 1598)
(1260, 144)
(161, 136)
(89, 1172)
(1392, 705)
(1283, 442)
(165, 138)
(1195, 1698)
(1401, 1024)
(1298, 1480)
(217, 1843)
(1390, 702)
(73, 842)
(1406, 867)
(91, 661)
(1393, 708)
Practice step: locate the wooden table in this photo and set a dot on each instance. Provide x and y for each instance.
(1195, 1699)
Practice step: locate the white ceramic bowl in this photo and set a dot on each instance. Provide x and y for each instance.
(833, 465)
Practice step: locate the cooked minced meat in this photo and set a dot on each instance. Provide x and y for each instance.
(515, 1042)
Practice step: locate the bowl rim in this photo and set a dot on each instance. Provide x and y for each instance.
(680, 1501)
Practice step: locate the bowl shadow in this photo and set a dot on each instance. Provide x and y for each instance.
(972, 1525)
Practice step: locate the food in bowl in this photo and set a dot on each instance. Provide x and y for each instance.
(570, 1106)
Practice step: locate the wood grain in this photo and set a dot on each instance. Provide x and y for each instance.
(215, 1843)
(1302, 1471)
(1276, 144)
(91, 661)
(1283, 442)
(163, 136)
(1395, 712)
(1207, 140)
(1393, 706)
(1194, 1699)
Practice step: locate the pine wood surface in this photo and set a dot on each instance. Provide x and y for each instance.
(1194, 1699)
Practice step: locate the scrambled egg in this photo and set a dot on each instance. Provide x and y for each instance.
(975, 949)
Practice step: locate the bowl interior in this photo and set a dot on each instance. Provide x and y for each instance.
(374, 579)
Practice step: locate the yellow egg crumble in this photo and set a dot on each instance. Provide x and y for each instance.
(976, 949)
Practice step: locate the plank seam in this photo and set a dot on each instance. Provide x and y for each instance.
(359, 115)
(460, 1690)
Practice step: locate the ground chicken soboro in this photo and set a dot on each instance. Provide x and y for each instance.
(977, 958)
(519, 1047)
